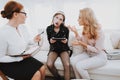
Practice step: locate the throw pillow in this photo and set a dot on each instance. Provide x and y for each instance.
(118, 45)
(77, 50)
(115, 37)
(107, 43)
(44, 42)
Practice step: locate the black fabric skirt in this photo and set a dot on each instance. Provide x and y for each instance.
(58, 52)
(23, 70)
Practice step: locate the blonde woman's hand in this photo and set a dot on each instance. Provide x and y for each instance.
(79, 43)
(72, 28)
(74, 43)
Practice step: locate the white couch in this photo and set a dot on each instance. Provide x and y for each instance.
(111, 71)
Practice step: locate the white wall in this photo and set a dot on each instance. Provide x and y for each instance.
(107, 12)
(40, 12)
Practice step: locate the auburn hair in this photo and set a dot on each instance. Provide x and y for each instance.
(10, 8)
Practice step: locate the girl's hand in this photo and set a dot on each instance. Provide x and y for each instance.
(64, 41)
(52, 41)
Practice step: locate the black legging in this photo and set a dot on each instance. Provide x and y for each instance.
(65, 61)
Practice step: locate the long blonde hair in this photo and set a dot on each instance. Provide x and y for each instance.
(89, 22)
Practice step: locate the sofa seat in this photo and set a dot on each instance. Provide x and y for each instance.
(112, 68)
(111, 71)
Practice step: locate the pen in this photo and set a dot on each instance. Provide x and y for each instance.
(23, 52)
(39, 35)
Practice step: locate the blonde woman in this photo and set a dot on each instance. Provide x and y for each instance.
(92, 41)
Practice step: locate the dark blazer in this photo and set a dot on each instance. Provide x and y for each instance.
(58, 46)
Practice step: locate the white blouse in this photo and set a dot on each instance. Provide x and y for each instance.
(13, 43)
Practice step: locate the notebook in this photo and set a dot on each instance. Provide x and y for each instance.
(30, 51)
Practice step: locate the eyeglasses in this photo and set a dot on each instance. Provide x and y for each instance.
(23, 13)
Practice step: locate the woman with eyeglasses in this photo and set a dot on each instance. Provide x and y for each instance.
(14, 39)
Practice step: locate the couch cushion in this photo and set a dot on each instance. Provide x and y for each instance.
(44, 42)
(115, 38)
(42, 56)
(119, 45)
(77, 50)
(111, 68)
(108, 43)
